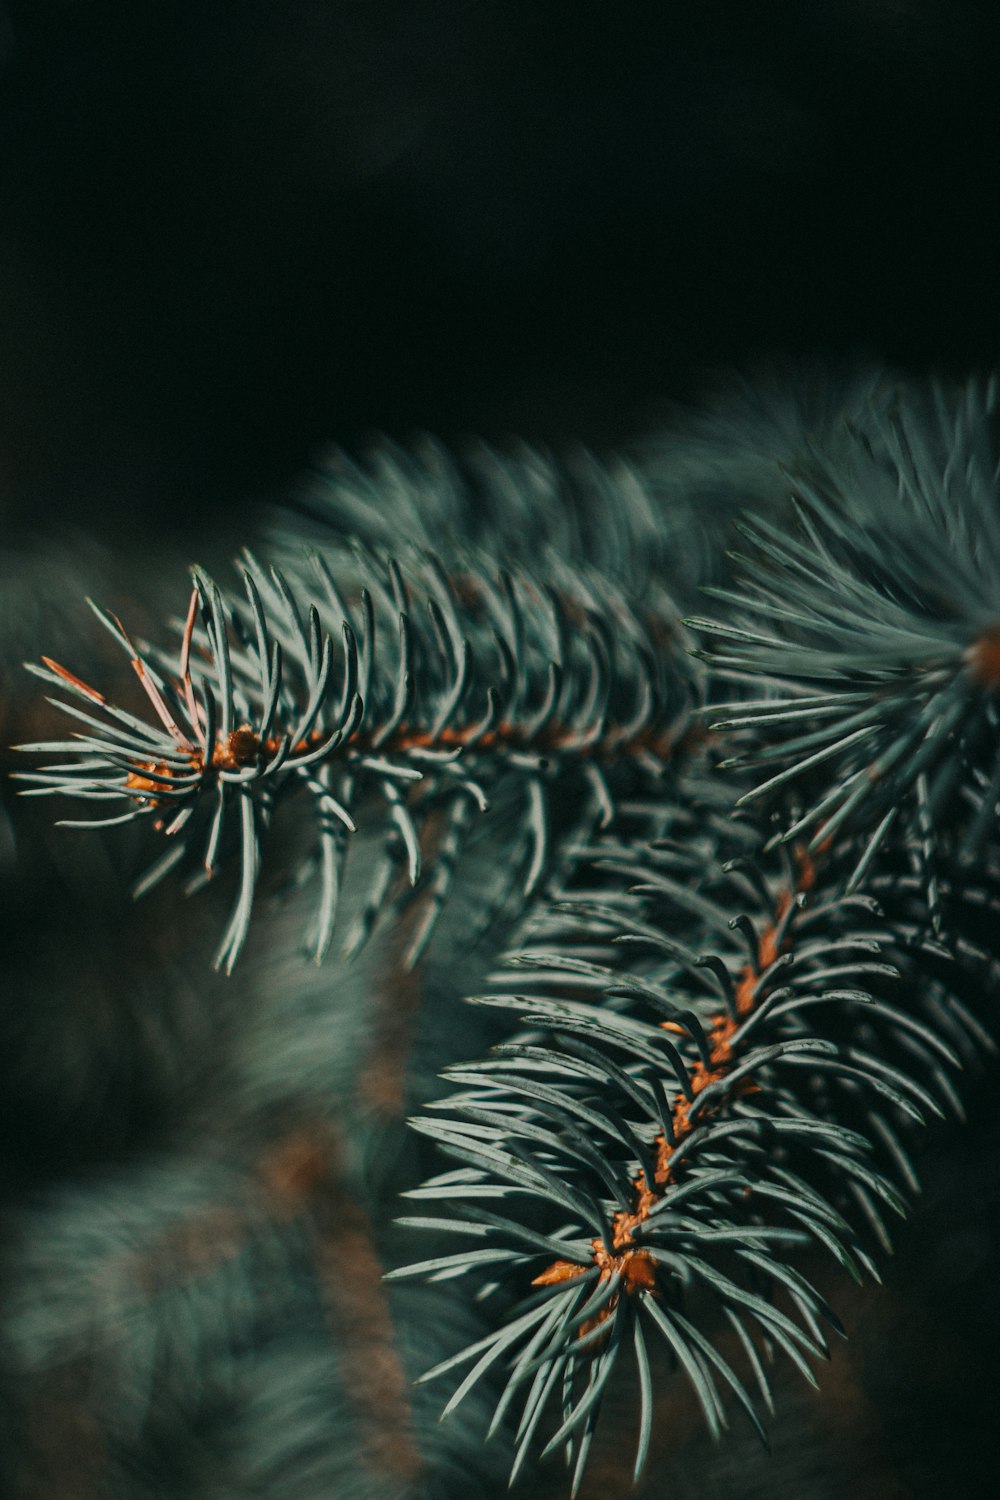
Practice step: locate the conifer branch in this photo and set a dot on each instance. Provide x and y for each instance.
(721, 1050)
(697, 1096)
(425, 693)
(874, 633)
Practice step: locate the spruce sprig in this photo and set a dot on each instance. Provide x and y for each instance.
(722, 1049)
(872, 637)
(422, 692)
(697, 1095)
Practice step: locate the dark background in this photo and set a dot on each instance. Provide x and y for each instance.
(232, 230)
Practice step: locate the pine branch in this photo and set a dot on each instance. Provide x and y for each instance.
(439, 691)
(697, 1096)
(722, 1050)
(874, 635)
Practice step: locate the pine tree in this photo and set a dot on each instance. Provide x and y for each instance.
(693, 916)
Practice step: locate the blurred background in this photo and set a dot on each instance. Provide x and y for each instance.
(233, 229)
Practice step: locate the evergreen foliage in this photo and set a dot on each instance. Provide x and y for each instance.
(723, 904)
(875, 628)
(454, 684)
